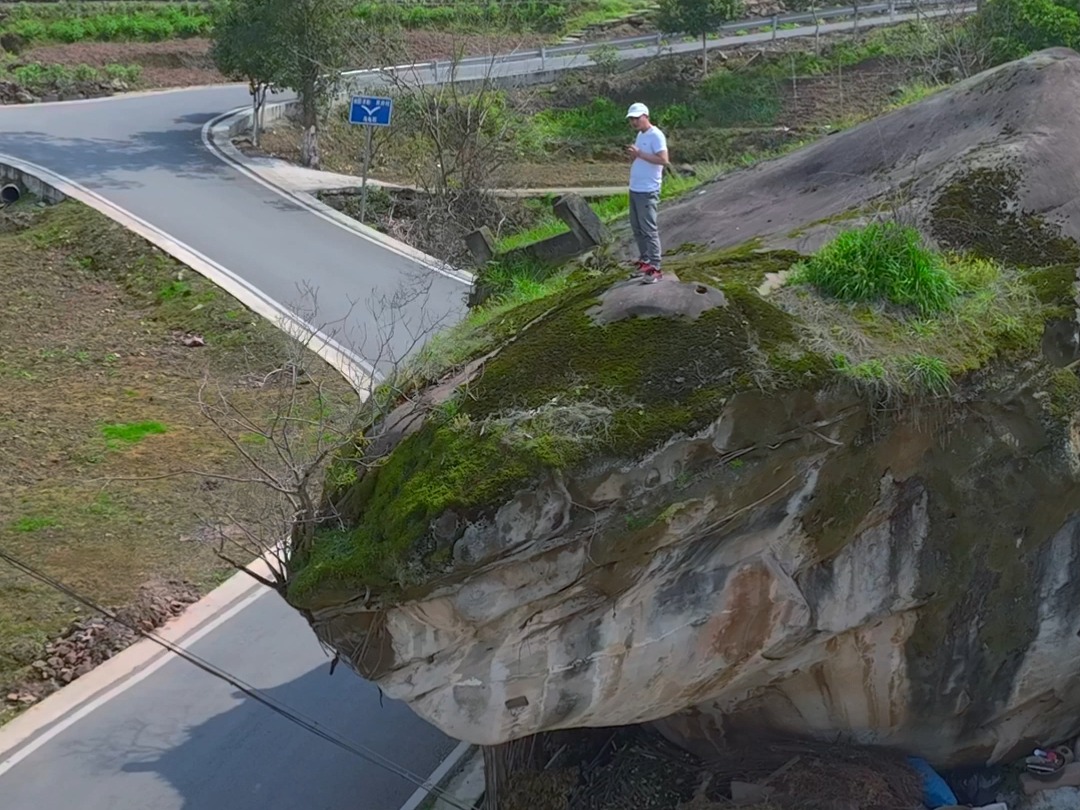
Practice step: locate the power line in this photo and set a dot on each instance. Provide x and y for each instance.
(307, 723)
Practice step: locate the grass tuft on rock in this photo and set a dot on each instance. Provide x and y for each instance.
(882, 261)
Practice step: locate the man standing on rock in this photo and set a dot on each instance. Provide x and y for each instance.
(649, 156)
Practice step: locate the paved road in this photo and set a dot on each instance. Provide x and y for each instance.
(181, 740)
(145, 154)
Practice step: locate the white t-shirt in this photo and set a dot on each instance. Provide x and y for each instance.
(645, 176)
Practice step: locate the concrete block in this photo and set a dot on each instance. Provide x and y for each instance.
(581, 219)
(556, 248)
(481, 244)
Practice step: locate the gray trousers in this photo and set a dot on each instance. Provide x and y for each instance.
(643, 224)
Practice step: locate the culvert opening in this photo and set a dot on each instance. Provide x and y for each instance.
(9, 194)
(701, 289)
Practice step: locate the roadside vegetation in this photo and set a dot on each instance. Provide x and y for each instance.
(543, 16)
(73, 21)
(117, 481)
(104, 22)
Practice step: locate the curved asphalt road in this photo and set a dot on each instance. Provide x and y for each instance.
(180, 739)
(145, 154)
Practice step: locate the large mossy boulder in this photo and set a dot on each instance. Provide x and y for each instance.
(730, 501)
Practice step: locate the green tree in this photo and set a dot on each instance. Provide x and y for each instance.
(240, 50)
(1012, 29)
(316, 38)
(299, 44)
(698, 18)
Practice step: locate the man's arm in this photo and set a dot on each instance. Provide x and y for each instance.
(660, 158)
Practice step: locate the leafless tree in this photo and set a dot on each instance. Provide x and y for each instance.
(453, 139)
(949, 47)
(293, 421)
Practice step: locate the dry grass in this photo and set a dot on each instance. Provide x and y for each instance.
(98, 404)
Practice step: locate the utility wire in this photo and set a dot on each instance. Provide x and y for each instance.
(307, 723)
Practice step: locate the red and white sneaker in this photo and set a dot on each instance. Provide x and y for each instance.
(651, 274)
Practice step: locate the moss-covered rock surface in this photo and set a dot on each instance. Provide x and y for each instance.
(543, 386)
(822, 490)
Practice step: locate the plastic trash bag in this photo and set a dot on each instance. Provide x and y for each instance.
(936, 791)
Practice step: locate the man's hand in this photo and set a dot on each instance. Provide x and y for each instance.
(633, 152)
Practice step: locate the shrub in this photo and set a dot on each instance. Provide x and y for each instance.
(881, 262)
(38, 78)
(1011, 29)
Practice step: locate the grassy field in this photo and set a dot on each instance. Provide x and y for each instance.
(99, 400)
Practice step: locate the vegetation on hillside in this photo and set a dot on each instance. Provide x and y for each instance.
(106, 22)
(40, 79)
(71, 21)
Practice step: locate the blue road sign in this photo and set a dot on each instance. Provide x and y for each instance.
(371, 111)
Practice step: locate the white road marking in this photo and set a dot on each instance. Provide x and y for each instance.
(437, 775)
(326, 213)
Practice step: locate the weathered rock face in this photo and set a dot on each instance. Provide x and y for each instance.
(674, 503)
(920, 587)
(1015, 122)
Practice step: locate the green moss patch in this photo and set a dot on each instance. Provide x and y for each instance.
(976, 213)
(119, 436)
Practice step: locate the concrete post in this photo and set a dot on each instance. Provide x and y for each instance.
(543, 58)
(581, 219)
(775, 26)
(481, 244)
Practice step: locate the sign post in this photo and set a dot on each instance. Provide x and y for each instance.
(369, 112)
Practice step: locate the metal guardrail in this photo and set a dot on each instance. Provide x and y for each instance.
(659, 41)
(567, 57)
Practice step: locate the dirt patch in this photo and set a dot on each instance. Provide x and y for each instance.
(102, 434)
(633, 767)
(173, 63)
(424, 45)
(89, 642)
(856, 92)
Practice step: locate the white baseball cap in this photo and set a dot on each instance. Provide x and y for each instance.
(637, 109)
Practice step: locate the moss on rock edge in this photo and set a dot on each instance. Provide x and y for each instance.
(569, 395)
